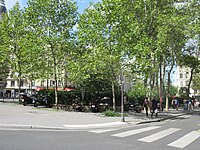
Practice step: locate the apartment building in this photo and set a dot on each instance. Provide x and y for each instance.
(12, 86)
(182, 79)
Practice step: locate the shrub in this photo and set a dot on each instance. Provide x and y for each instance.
(111, 113)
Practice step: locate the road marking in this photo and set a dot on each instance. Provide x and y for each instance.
(185, 116)
(136, 131)
(172, 120)
(159, 135)
(94, 125)
(185, 140)
(102, 130)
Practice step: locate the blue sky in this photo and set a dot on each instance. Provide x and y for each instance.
(82, 4)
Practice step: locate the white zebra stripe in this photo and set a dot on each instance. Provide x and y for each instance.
(185, 116)
(159, 135)
(185, 140)
(136, 131)
(102, 130)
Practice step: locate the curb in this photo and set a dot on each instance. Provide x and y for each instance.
(161, 119)
(101, 125)
(29, 127)
(66, 127)
(84, 126)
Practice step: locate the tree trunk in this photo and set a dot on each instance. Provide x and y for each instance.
(190, 81)
(167, 93)
(161, 79)
(55, 77)
(19, 89)
(113, 94)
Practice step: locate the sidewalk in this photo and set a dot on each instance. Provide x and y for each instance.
(28, 117)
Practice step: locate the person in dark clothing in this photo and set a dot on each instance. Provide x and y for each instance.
(154, 107)
(146, 105)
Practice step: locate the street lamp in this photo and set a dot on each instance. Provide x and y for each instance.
(122, 96)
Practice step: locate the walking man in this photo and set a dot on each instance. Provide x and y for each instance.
(154, 107)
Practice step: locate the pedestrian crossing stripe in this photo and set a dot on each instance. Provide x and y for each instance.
(185, 140)
(159, 135)
(136, 131)
(102, 130)
(179, 143)
(185, 116)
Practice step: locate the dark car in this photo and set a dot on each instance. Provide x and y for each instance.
(133, 106)
(27, 99)
(43, 100)
(100, 104)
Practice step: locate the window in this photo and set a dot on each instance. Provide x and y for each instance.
(33, 83)
(42, 83)
(12, 83)
(186, 75)
(59, 83)
(181, 75)
(51, 83)
(21, 83)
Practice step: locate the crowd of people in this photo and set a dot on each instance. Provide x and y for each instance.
(189, 104)
(154, 106)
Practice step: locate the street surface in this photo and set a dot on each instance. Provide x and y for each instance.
(174, 134)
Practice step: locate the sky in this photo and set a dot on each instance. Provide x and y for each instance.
(82, 4)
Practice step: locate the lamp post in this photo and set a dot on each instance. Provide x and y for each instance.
(122, 96)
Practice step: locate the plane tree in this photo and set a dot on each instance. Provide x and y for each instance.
(14, 42)
(171, 40)
(190, 52)
(101, 43)
(53, 22)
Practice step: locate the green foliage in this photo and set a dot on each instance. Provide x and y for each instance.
(110, 113)
(196, 82)
(65, 97)
(137, 93)
(173, 90)
(139, 36)
(183, 93)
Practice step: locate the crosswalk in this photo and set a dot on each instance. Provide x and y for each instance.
(136, 131)
(158, 133)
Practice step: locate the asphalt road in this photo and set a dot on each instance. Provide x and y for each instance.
(180, 133)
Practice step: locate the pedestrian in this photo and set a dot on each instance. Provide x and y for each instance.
(189, 105)
(154, 104)
(173, 104)
(193, 104)
(176, 104)
(185, 102)
(146, 105)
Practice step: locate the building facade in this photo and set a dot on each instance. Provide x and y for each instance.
(182, 79)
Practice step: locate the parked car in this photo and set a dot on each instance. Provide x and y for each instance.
(27, 99)
(100, 104)
(133, 107)
(43, 100)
